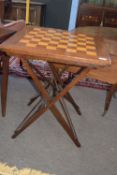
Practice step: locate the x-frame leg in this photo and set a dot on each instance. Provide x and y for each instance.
(57, 76)
(60, 83)
(50, 103)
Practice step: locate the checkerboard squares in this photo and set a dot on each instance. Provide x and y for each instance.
(33, 33)
(31, 45)
(71, 50)
(62, 46)
(58, 40)
(83, 44)
(90, 43)
(91, 53)
(63, 41)
(51, 47)
(81, 49)
(53, 42)
(41, 43)
(36, 40)
(91, 47)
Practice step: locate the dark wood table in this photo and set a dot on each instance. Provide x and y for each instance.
(107, 74)
(63, 48)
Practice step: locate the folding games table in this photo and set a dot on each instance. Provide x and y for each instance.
(58, 47)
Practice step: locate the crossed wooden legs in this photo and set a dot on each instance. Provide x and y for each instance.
(49, 103)
(60, 85)
(56, 80)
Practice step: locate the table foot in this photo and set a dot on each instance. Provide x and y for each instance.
(104, 113)
(77, 143)
(14, 135)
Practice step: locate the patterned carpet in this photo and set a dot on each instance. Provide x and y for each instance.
(16, 69)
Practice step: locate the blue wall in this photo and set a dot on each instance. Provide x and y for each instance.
(57, 13)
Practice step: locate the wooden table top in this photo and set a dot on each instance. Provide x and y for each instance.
(58, 46)
(108, 33)
(5, 33)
